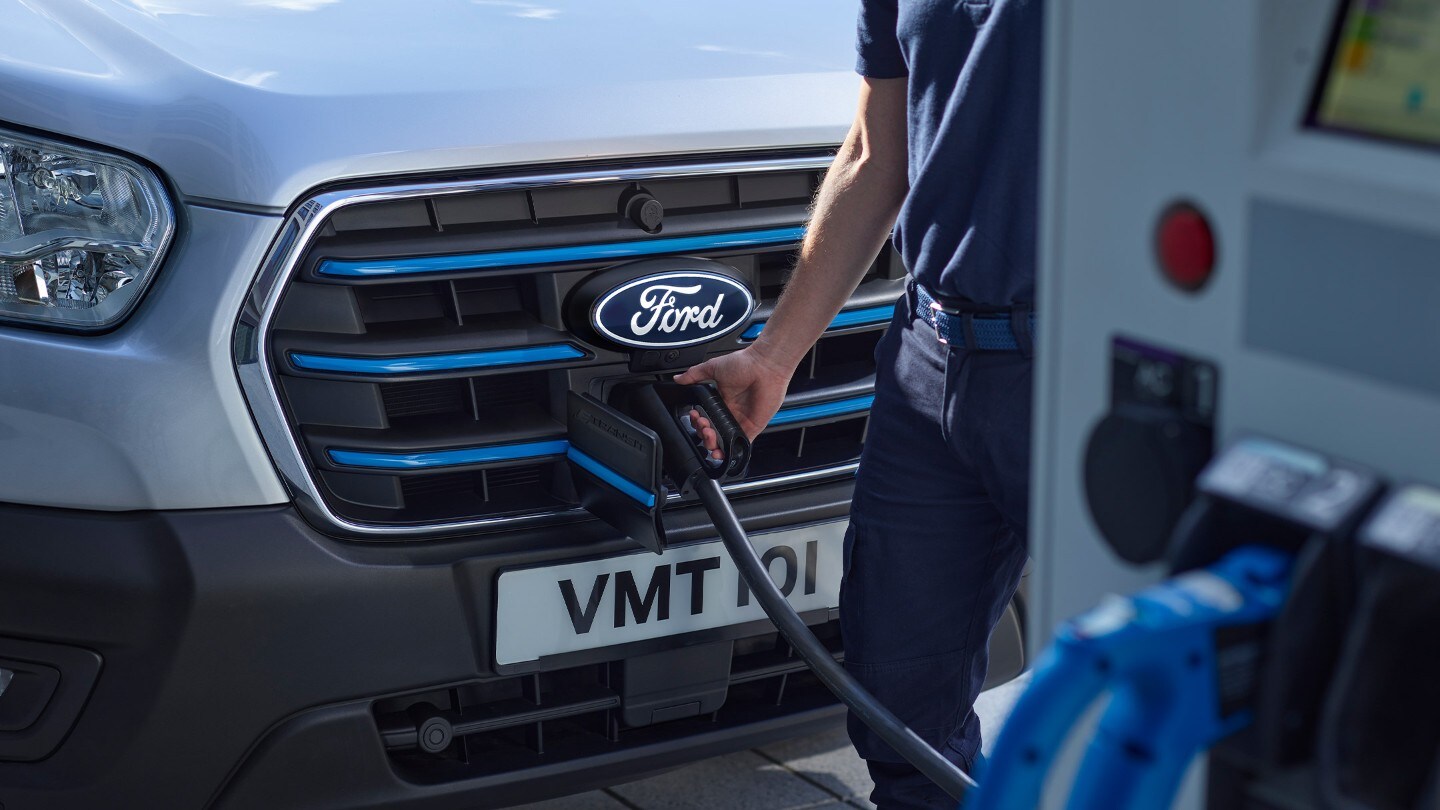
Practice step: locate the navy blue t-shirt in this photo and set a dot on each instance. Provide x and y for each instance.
(967, 229)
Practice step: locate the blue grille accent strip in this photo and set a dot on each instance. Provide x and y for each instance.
(820, 410)
(848, 318)
(866, 316)
(449, 458)
(437, 362)
(631, 489)
(367, 268)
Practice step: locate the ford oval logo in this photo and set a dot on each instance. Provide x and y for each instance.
(672, 309)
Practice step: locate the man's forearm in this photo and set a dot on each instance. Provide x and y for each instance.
(854, 212)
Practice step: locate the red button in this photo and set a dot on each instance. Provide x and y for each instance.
(1185, 246)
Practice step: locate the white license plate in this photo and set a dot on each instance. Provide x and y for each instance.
(633, 597)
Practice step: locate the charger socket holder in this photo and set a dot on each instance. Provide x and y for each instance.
(1264, 491)
(624, 451)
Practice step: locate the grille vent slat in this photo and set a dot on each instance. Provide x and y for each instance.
(510, 391)
(434, 486)
(514, 478)
(476, 396)
(425, 398)
(415, 301)
(428, 409)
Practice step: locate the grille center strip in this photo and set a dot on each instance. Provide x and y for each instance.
(531, 257)
(457, 361)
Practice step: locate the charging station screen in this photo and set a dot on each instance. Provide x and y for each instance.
(1383, 72)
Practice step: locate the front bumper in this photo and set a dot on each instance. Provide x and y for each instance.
(242, 655)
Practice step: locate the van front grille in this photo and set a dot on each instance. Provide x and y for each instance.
(420, 362)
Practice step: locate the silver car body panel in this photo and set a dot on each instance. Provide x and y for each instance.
(256, 102)
(148, 416)
(249, 105)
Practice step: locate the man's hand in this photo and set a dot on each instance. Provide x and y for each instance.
(751, 384)
(854, 211)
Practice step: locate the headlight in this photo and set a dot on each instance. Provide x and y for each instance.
(81, 233)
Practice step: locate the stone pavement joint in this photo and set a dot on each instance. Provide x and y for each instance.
(827, 761)
(801, 775)
(621, 800)
(744, 781)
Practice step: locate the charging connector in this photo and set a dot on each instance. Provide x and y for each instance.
(670, 412)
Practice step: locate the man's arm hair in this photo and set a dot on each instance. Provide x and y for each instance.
(854, 212)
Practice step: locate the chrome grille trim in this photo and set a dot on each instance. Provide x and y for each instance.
(251, 344)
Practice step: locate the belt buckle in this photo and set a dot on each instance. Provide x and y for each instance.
(940, 309)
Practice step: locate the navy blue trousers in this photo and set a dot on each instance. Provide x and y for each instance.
(936, 543)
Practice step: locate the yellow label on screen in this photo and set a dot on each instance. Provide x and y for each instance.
(1384, 78)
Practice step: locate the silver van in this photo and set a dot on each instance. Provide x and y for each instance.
(285, 343)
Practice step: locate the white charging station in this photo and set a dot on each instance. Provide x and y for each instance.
(1306, 135)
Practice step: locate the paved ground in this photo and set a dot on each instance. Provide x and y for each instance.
(819, 772)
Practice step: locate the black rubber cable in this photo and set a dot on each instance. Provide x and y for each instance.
(939, 770)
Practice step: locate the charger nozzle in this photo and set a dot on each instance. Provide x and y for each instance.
(665, 408)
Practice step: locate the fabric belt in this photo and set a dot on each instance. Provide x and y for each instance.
(1000, 331)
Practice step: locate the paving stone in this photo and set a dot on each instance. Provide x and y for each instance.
(594, 800)
(827, 760)
(743, 781)
(994, 706)
(815, 771)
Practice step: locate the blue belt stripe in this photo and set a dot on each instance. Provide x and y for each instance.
(991, 332)
(631, 489)
(527, 257)
(437, 362)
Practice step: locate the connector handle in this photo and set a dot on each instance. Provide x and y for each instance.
(733, 441)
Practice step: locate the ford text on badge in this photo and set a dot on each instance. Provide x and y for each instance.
(673, 309)
(600, 603)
